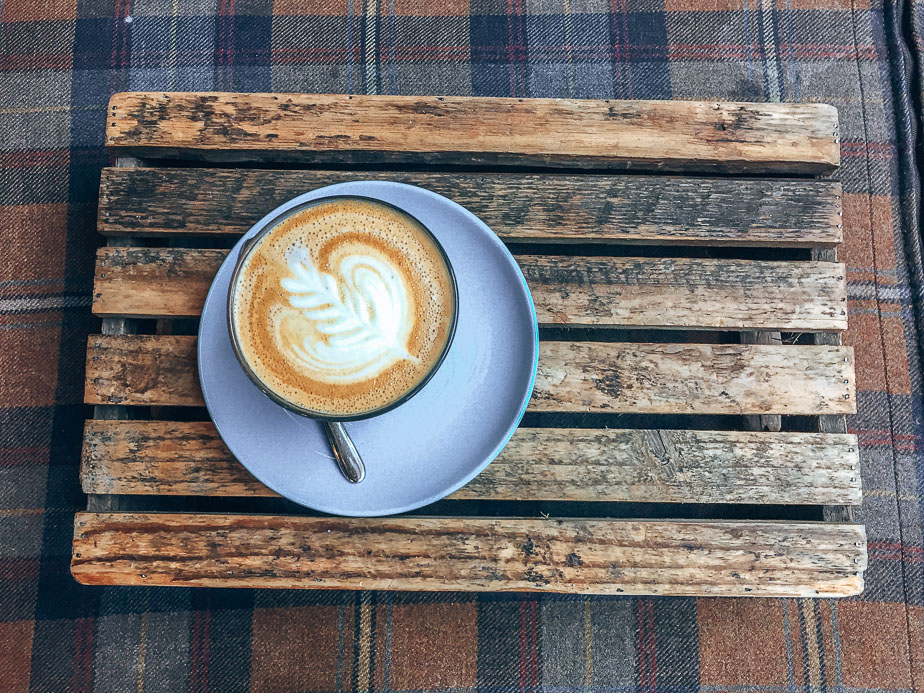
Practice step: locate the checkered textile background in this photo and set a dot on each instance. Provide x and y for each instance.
(60, 61)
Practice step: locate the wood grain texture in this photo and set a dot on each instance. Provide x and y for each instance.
(572, 376)
(473, 554)
(518, 207)
(661, 135)
(591, 291)
(189, 459)
(767, 422)
(694, 379)
(142, 370)
(687, 293)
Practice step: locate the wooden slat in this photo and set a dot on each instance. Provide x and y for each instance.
(518, 207)
(666, 135)
(146, 370)
(474, 554)
(573, 376)
(635, 292)
(189, 459)
(693, 379)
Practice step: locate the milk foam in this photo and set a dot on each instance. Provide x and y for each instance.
(354, 323)
(343, 307)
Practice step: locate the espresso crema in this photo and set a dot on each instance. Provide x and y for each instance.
(343, 307)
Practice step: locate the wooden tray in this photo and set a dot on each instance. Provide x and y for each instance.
(687, 432)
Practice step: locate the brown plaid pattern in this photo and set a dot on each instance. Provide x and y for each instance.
(60, 61)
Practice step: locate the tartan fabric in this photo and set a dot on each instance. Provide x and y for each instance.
(60, 61)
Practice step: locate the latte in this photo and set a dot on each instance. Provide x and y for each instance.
(343, 307)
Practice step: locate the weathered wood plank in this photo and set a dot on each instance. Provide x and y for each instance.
(687, 293)
(635, 292)
(663, 135)
(693, 378)
(536, 208)
(142, 370)
(573, 376)
(189, 459)
(473, 554)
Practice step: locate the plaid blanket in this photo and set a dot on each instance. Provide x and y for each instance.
(59, 62)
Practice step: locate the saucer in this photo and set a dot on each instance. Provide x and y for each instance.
(438, 440)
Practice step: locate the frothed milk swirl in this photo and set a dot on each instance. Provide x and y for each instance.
(343, 307)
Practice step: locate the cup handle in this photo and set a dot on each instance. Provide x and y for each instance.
(345, 452)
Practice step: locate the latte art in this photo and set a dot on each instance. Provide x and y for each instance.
(343, 307)
(356, 323)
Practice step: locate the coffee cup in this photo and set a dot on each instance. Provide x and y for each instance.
(342, 308)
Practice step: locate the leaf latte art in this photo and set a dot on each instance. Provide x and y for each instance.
(343, 307)
(360, 322)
